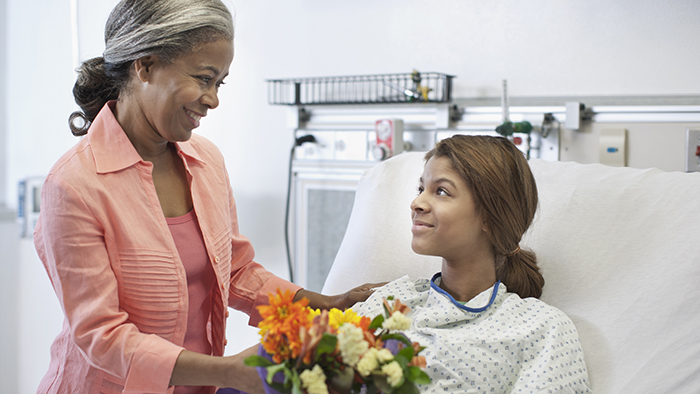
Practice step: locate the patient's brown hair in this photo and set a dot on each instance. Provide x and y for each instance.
(506, 196)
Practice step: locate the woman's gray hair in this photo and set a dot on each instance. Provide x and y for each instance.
(137, 28)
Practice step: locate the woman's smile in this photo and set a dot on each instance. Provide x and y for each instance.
(193, 117)
(419, 225)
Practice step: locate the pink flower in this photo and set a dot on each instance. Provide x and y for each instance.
(310, 337)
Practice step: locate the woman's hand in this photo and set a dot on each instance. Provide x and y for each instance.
(194, 369)
(340, 301)
(243, 377)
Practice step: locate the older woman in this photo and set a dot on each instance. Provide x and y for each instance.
(138, 229)
(480, 318)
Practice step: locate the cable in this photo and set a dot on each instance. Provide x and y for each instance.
(297, 142)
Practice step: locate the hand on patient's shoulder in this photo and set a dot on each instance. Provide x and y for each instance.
(358, 294)
(339, 301)
(409, 291)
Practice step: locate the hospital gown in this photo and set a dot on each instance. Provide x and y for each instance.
(495, 343)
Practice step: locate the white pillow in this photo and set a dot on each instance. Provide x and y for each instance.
(619, 249)
(620, 252)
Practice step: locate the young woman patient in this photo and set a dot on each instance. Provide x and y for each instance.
(485, 329)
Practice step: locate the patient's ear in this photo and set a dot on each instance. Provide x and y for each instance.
(484, 224)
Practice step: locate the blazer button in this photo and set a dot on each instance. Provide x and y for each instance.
(225, 342)
(216, 259)
(227, 314)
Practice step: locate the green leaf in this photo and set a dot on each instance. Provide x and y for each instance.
(371, 388)
(418, 376)
(382, 383)
(327, 344)
(257, 361)
(402, 360)
(342, 381)
(387, 312)
(376, 322)
(406, 352)
(273, 369)
(407, 388)
(296, 383)
(282, 388)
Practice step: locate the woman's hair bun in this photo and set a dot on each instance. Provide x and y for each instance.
(92, 89)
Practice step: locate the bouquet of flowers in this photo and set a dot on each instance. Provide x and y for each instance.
(324, 352)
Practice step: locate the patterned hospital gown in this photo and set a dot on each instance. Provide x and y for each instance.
(495, 343)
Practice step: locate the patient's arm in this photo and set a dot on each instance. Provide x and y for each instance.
(340, 301)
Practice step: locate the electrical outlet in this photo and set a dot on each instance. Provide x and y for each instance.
(692, 150)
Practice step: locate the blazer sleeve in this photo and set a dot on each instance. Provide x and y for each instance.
(250, 283)
(72, 245)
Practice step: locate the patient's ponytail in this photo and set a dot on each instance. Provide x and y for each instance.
(520, 274)
(506, 197)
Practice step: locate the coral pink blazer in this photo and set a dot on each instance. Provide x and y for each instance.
(106, 246)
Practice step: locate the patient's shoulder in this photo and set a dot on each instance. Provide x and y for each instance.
(410, 292)
(534, 310)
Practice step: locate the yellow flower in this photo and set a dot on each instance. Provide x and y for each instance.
(313, 313)
(336, 317)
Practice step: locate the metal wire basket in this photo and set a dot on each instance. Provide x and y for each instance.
(362, 89)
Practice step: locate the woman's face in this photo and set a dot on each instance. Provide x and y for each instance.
(445, 218)
(174, 97)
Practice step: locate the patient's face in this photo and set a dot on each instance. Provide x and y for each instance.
(445, 218)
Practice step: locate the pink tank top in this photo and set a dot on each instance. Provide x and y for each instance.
(200, 283)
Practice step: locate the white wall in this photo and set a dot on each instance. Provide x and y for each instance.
(9, 307)
(3, 98)
(548, 48)
(9, 382)
(543, 48)
(39, 82)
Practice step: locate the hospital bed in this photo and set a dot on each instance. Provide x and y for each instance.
(619, 249)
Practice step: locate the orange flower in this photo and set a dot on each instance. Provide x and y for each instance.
(398, 307)
(281, 306)
(418, 361)
(374, 341)
(363, 323)
(282, 321)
